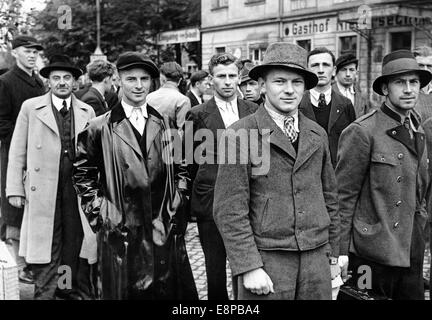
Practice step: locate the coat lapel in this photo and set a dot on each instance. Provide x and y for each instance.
(243, 109)
(335, 110)
(81, 116)
(214, 121)
(45, 113)
(308, 143)
(306, 106)
(152, 129)
(124, 130)
(277, 137)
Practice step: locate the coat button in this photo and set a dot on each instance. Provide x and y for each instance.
(400, 155)
(162, 262)
(396, 224)
(398, 203)
(364, 229)
(394, 132)
(382, 159)
(37, 169)
(399, 179)
(33, 188)
(38, 146)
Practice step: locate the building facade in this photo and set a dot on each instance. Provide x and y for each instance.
(369, 29)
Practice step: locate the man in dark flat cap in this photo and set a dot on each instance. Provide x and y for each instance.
(133, 194)
(17, 85)
(346, 76)
(383, 183)
(249, 87)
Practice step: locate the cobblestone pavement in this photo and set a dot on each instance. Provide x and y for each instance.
(196, 258)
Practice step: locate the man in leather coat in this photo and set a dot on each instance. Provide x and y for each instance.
(132, 194)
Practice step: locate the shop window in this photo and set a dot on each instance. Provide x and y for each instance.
(305, 44)
(400, 40)
(303, 4)
(220, 50)
(348, 45)
(219, 4)
(256, 55)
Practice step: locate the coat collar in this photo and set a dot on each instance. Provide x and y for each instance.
(308, 137)
(31, 80)
(123, 128)
(45, 114)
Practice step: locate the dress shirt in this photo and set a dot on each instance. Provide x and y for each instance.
(279, 118)
(347, 92)
(58, 102)
(136, 115)
(314, 96)
(228, 111)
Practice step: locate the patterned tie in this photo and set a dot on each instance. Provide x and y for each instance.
(289, 129)
(64, 111)
(321, 101)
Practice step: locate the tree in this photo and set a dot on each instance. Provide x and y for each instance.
(125, 25)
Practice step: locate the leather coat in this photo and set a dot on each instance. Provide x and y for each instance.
(134, 199)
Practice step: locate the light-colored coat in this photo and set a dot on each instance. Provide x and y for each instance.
(33, 171)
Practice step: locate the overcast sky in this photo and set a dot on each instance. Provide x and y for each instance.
(30, 4)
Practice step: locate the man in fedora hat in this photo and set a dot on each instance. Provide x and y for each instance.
(249, 87)
(280, 226)
(382, 175)
(17, 85)
(132, 194)
(39, 178)
(330, 110)
(345, 84)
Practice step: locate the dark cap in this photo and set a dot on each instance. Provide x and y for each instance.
(344, 60)
(129, 60)
(26, 41)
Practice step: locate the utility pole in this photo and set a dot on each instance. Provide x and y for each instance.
(98, 54)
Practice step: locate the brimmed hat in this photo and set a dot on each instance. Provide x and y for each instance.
(60, 62)
(288, 56)
(344, 60)
(399, 62)
(244, 72)
(27, 42)
(129, 60)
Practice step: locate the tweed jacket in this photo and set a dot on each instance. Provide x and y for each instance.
(341, 115)
(383, 180)
(361, 105)
(206, 116)
(287, 201)
(33, 171)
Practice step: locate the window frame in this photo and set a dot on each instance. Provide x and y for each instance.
(388, 48)
(347, 34)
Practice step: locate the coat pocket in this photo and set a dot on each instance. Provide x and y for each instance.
(26, 182)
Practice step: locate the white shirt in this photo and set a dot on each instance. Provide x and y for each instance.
(347, 92)
(228, 111)
(58, 102)
(136, 115)
(314, 96)
(280, 119)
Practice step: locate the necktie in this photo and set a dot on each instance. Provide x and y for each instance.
(289, 129)
(64, 111)
(407, 126)
(137, 119)
(321, 101)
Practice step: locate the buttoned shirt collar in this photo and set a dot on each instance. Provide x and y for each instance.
(314, 96)
(347, 92)
(280, 119)
(58, 102)
(128, 109)
(401, 118)
(229, 115)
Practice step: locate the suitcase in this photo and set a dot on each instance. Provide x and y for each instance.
(9, 284)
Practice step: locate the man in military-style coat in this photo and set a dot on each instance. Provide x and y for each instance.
(382, 175)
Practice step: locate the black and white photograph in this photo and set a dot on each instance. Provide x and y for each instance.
(215, 155)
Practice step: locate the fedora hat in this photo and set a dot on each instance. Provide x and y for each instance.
(60, 62)
(288, 56)
(130, 59)
(244, 72)
(399, 62)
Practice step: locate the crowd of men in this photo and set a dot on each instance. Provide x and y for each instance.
(105, 180)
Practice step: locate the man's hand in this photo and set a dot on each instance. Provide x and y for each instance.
(343, 263)
(16, 201)
(258, 282)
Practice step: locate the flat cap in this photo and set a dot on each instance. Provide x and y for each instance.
(344, 60)
(130, 59)
(26, 41)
